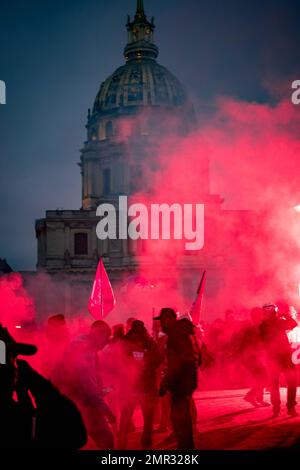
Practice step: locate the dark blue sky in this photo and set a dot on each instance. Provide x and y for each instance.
(55, 53)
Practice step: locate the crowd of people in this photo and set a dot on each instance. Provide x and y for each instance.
(89, 386)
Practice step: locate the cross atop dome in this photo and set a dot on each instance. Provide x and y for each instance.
(140, 36)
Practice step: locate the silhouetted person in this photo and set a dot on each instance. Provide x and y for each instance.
(294, 333)
(278, 351)
(57, 329)
(251, 353)
(181, 375)
(294, 340)
(185, 323)
(118, 333)
(112, 373)
(57, 339)
(79, 375)
(52, 421)
(129, 322)
(142, 358)
(164, 403)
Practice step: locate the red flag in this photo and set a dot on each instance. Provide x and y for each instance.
(197, 304)
(102, 299)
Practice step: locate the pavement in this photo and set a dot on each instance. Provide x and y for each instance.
(227, 422)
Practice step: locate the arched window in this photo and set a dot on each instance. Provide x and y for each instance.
(81, 243)
(109, 130)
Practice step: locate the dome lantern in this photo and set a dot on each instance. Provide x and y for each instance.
(140, 36)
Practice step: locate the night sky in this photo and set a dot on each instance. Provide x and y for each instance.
(55, 54)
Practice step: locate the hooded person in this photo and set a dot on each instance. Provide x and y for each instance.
(273, 331)
(251, 353)
(181, 375)
(141, 360)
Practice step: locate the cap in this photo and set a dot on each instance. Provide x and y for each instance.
(166, 313)
(21, 349)
(15, 348)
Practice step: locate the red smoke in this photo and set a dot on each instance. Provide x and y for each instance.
(16, 307)
(247, 153)
(253, 152)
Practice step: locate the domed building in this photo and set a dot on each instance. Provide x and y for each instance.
(134, 106)
(133, 97)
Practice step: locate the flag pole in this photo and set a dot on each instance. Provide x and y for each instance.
(153, 326)
(201, 282)
(197, 304)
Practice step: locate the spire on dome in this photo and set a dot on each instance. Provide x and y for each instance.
(140, 9)
(140, 36)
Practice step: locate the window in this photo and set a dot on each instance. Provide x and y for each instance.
(81, 244)
(109, 131)
(106, 181)
(136, 179)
